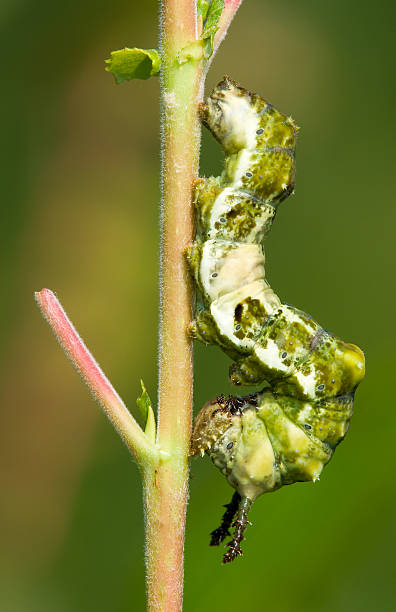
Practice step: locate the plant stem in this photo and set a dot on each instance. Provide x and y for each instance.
(166, 490)
(166, 483)
(228, 14)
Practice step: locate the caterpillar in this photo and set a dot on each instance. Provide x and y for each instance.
(288, 431)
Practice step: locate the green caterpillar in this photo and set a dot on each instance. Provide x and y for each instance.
(287, 432)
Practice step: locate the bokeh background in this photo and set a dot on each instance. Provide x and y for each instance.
(80, 200)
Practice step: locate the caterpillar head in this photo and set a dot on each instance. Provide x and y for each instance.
(237, 117)
(229, 115)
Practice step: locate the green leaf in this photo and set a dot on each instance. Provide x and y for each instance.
(151, 428)
(211, 24)
(202, 9)
(146, 410)
(127, 64)
(143, 403)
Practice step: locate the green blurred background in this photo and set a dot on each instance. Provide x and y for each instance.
(80, 193)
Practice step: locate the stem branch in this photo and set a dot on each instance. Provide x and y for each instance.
(228, 14)
(92, 375)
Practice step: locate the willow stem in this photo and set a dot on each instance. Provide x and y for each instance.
(166, 490)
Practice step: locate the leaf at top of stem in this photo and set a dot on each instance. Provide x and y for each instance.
(211, 23)
(127, 64)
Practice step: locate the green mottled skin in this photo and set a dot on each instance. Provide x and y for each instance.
(309, 371)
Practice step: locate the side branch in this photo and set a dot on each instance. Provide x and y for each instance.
(92, 375)
(228, 14)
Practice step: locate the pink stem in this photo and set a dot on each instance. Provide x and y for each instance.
(228, 14)
(91, 373)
